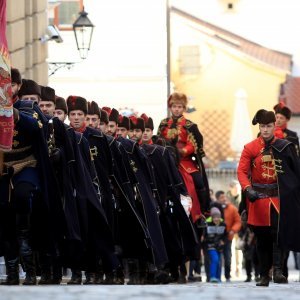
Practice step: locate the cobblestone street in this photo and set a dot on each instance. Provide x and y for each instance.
(234, 290)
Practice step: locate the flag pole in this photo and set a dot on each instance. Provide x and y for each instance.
(1, 162)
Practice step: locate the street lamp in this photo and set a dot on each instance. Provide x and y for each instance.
(83, 30)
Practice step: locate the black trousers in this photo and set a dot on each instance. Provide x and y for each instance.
(269, 253)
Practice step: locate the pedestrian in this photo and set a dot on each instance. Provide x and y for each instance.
(269, 174)
(233, 224)
(214, 240)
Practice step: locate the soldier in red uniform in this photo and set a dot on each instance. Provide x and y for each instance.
(186, 137)
(269, 174)
(283, 115)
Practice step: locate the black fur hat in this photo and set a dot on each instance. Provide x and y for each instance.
(47, 94)
(93, 109)
(148, 121)
(16, 76)
(280, 108)
(60, 103)
(77, 103)
(113, 114)
(29, 87)
(137, 123)
(123, 122)
(104, 116)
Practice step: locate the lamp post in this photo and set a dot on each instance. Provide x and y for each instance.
(83, 30)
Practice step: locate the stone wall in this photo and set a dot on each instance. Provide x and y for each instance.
(27, 22)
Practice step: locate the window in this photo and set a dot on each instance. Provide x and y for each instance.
(189, 60)
(63, 13)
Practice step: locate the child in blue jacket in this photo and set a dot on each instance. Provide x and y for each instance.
(214, 240)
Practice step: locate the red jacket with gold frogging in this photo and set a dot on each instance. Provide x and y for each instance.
(185, 136)
(257, 166)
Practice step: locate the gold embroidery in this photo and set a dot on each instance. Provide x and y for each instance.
(132, 164)
(278, 166)
(268, 166)
(16, 143)
(94, 152)
(16, 132)
(172, 133)
(267, 158)
(192, 139)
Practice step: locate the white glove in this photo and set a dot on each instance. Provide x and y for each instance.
(186, 202)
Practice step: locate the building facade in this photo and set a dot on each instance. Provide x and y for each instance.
(27, 21)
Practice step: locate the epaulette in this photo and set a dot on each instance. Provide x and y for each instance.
(280, 144)
(189, 124)
(164, 122)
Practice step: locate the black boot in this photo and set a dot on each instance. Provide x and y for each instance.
(26, 254)
(89, 278)
(27, 257)
(264, 281)
(30, 278)
(278, 276)
(143, 271)
(99, 274)
(278, 258)
(45, 264)
(12, 271)
(57, 272)
(115, 277)
(133, 272)
(76, 277)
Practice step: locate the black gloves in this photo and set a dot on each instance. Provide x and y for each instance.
(55, 156)
(251, 194)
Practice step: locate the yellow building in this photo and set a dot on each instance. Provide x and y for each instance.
(215, 68)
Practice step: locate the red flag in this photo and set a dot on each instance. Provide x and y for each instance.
(6, 108)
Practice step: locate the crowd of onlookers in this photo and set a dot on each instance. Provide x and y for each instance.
(227, 240)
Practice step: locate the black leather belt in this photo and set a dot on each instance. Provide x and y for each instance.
(266, 190)
(17, 155)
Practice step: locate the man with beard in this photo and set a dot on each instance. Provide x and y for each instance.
(16, 82)
(269, 173)
(93, 116)
(123, 126)
(103, 121)
(47, 101)
(113, 116)
(138, 127)
(61, 110)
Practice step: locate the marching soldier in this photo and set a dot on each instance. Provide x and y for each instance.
(186, 137)
(101, 161)
(283, 115)
(93, 116)
(113, 117)
(174, 220)
(61, 110)
(269, 173)
(103, 121)
(21, 174)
